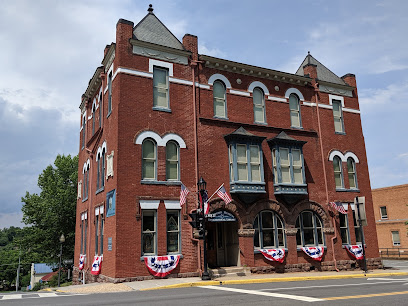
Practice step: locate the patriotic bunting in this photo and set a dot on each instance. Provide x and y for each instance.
(161, 266)
(355, 250)
(314, 252)
(96, 265)
(81, 261)
(183, 194)
(339, 207)
(274, 254)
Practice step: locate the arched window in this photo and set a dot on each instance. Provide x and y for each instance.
(93, 119)
(172, 161)
(269, 230)
(259, 105)
(149, 160)
(220, 103)
(83, 130)
(100, 109)
(351, 169)
(338, 172)
(294, 107)
(309, 229)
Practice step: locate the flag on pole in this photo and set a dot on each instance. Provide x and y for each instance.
(339, 207)
(222, 193)
(204, 201)
(183, 194)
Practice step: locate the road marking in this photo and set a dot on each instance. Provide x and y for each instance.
(340, 285)
(363, 296)
(12, 296)
(48, 294)
(255, 292)
(388, 279)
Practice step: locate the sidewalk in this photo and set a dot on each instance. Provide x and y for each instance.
(225, 280)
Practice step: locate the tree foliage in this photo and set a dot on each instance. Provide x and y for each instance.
(52, 212)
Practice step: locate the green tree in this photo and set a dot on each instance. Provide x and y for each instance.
(52, 212)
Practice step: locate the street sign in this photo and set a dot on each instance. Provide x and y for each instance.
(68, 261)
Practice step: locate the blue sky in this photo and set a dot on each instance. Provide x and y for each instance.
(50, 49)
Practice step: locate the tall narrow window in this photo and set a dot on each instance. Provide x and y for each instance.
(242, 162)
(100, 110)
(294, 107)
(338, 116)
(83, 130)
(93, 119)
(344, 229)
(259, 105)
(149, 232)
(172, 161)
(310, 230)
(395, 238)
(102, 221)
(102, 162)
(149, 160)
(338, 172)
(96, 233)
(98, 172)
(220, 105)
(285, 165)
(297, 166)
(109, 93)
(255, 163)
(82, 234)
(160, 87)
(351, 169)
(85, 235)
(173, 231)
(269, 230)
(275, 166)
(359, 237)
(231, 162)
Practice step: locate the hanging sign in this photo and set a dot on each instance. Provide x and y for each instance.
(221, 216)
(96, 265)
(274, 254)
(81, 261)
(355, 250)
(161, 266)
(314, 252)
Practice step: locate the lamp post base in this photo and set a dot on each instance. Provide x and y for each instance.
(205, 276)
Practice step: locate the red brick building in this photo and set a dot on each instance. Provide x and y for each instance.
(391, 215)
(156, 113)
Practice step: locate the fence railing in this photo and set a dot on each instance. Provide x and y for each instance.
(394, 252)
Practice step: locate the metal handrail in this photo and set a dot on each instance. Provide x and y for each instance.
(387, 252)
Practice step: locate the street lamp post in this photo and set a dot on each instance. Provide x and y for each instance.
(360, 223)
(202, 186)
(62, 240)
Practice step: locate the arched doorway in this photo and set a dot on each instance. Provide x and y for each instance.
(222, 240)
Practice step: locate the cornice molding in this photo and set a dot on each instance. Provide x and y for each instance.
(144, 44)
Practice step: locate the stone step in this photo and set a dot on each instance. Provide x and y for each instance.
(229, 271)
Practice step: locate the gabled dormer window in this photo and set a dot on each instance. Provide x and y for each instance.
(245, 162)
(288, 165)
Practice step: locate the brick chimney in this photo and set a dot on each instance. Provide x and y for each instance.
(124, 32)
(190, 42)
(350, 79)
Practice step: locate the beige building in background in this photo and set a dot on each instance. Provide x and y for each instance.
(391, 214)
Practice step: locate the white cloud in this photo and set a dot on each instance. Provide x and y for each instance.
(12, 219)
(203, 49)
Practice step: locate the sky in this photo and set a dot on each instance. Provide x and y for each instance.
(50, 49)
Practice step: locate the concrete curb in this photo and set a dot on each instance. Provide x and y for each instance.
(272, 280)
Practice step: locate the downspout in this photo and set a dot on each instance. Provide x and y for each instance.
(316, 89)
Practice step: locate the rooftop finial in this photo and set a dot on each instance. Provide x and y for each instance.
(150, 9)
(308, 57)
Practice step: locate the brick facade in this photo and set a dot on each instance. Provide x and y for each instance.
(203, 151)
(395, 201)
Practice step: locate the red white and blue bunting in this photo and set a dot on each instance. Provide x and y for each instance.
(274, 254)
(81, 261)
(96, 265)
(314, 252)
(161, 266)
(355, 250)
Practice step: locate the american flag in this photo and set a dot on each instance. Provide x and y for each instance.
(223, 195)
(183, 194)
(338, 206)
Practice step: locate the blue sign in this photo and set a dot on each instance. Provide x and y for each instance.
(221, 216)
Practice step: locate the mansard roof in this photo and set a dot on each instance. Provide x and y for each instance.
(150, 29)
(323, 73)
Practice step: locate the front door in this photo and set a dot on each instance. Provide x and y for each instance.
(227, 244)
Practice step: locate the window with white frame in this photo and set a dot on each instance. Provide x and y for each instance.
(172, 161)
(357, 228)
(100, 109)
(383, 211)
(160, 87)
(84, 230)
(248, 163)
(309, 229)
(149, 154)
(83, 130)
(338, 172)
(351, 169)
(173, 231)
(86, 181)
(109, 93)
(294, 107)
(220, 104)
(99, 225)
(269, 230)
(149, 243)
(395, 238)
(344, 229)
(93, 118)
(288, 165)
(100, 179)
(338, 116)
(259, 105)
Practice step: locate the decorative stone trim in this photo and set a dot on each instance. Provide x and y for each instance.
(246, 232)
(328, 230)
(291, 231)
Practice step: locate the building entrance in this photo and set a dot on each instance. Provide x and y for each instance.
(223, 243)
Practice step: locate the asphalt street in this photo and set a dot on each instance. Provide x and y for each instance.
(365, 291)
